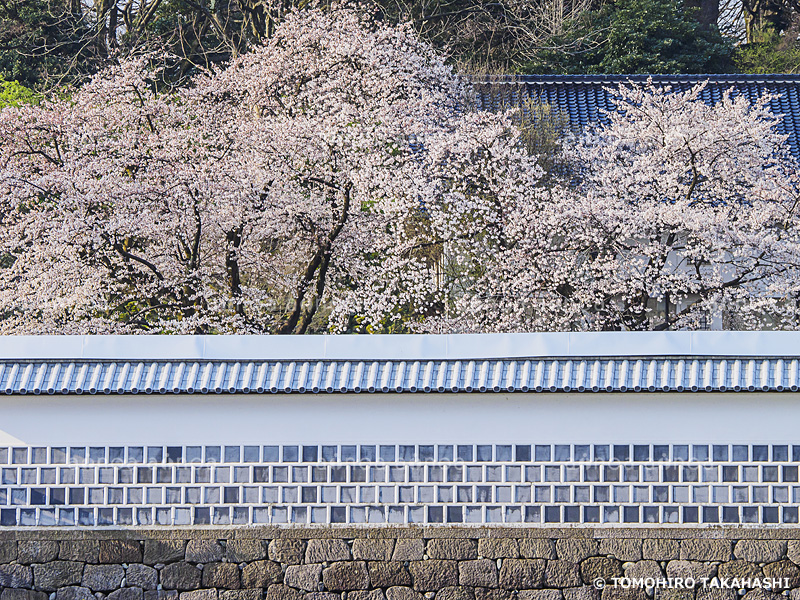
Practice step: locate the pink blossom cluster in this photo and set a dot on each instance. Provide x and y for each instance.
(677, 214)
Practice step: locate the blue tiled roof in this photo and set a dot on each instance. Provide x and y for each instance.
(674, 361)
(583, 97)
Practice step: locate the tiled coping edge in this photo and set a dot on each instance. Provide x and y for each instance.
(401, 532)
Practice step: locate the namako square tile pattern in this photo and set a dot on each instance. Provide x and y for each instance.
(431, 484)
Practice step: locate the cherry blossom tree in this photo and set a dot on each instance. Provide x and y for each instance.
(479, 176)
(677, 214)
(328, 166)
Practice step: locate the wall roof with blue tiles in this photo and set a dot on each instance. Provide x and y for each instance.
(565, 362)
(583, 98)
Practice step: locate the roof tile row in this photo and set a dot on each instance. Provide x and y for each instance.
(576, 375)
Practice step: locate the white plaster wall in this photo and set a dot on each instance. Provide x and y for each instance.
(400, 418)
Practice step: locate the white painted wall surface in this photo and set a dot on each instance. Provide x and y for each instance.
(402, 347)
(401, 418)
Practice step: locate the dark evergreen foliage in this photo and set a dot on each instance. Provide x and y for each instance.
(42, 40)
(640, 36)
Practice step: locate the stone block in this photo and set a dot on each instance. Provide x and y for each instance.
(16, 576)
(203, 551)
(386, 574)
(102, 578)
(540, 595)
(478, 573)
(561, 574)
(127, 593)
(739, 568)
(323, 596)
(38, 551)
(644, 569)
(161, 595)
(252, 594)
(164, 551)
(693, 569)
(522, 574)
(783, 569)
(584, 592)
(260, 574)
(625, 549)
(611, 592)
(759, 594)
(455, 592)
(362, 595)
(792, 551)
(409, 549)
(288, 552)
(672, 593)
(199, 595)
(141, 576)
(80, 550)
(56, 574)
(318, 551)
(759, 551)
(433, 575)
(403, 593)
(499, 548)
(8, 551)
(180, 576)
(600, 567)
(346, 576)
(659, 549)
(365, 549)
(239, 551)
(303, 577)
(452, 549)
(576, 549)
(283, 592)
(221, 575)
(20, 594)
(705, 550)
(494, 594)
(538, 548)
(120, 551)
(74, 592)
(709, 593)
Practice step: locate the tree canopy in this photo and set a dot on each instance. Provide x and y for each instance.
(337, 178)
(639, 36)
(682, 213)
(280, 184)
(14, 94)
(45, 44)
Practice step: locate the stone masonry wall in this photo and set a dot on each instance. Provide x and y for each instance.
(403, 563)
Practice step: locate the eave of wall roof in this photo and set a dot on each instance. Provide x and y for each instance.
(731, 78)
(585, 98)
(403, 347)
